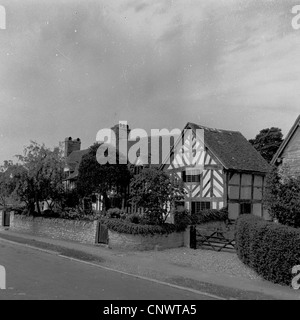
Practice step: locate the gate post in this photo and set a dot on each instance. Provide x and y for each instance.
(193, 238)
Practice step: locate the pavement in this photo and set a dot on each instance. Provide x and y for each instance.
(157, 267)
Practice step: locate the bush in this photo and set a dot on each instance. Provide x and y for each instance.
(124, 226)
(79, 214)
(182, 219)
(282, 197)
(115, 213)
(269, 248)
(210, 215)
(134, 218)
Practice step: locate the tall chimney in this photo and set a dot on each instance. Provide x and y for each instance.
(71, 145)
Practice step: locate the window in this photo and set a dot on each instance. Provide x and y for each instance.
(198, 206)
(246, 208)
(191, 175)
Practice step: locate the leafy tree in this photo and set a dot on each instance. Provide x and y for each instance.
(7, 183)
(156, 192)
(105, 179)
(39, 176)
(282, 198)
(267, 142)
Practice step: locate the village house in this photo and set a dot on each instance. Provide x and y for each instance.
(224, 171)
(288, 154)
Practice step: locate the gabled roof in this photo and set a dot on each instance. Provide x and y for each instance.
(286, 140)
(232, 149)
(73, 162)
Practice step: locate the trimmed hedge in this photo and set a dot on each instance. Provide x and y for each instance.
(123, 226)
(271, 249)
(210, 215)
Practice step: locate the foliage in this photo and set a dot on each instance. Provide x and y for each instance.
(271, 249)
(267, 142)
(134, 218)
(282, 198)
(124, 226)
(70, 199)
(182, 219)
(210, 215)
(156, 192)
(7, 183)
(107, 180)
(115, 213)
(39, 176)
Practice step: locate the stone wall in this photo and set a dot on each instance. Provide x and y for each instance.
(148, 242)
(86, 232)
(80, 231)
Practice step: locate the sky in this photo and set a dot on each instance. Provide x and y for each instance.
(73, 67)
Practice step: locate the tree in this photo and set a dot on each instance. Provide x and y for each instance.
(7, 183)
(106, 179)
(156, 192)
(267, 142)
(39, 176)
(282, 198)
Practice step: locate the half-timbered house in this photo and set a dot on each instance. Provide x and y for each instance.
(219, 168)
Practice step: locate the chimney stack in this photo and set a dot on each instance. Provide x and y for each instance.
(71, 145)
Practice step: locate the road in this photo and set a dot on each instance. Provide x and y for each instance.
(33, 274)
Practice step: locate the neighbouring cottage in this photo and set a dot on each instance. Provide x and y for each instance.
(73, 156)
(222, 170)
(288, 153)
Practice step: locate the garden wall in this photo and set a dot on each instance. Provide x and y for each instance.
(80, 231)
(148, 242)
(86, 232)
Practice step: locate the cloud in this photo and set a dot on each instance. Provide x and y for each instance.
(72, 67)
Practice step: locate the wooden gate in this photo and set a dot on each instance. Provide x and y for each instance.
(216, 239)
(102, 234)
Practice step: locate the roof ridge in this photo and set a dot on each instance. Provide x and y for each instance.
(213, 129)
(286, 140)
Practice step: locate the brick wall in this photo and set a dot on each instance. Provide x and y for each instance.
(80, 231)
(139, 242)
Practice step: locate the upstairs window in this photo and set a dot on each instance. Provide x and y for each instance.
(191, 175)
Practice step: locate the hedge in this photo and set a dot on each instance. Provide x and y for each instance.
(123, 226)
(271, 249)
(210, 215)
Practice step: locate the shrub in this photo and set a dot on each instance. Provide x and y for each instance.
(269, 248)
(115, 213)
(182, 219)
(153, 190)
(79, 214)
(134, 218)
(282, 197)
(210, 215)
(124, 226)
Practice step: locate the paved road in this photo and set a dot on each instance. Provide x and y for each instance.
(33, 274)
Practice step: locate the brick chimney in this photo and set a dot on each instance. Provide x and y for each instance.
(71, 145)
(118, 128)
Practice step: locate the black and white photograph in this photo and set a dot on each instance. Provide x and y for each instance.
(150, 153)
